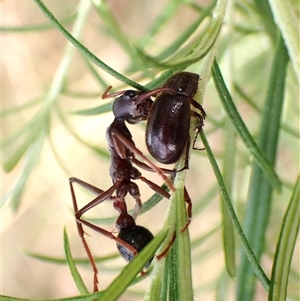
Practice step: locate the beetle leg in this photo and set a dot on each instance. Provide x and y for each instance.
(198, 128)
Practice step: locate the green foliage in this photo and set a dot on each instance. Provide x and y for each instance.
(247, 56)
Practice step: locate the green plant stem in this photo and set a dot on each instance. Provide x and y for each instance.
(228, 176)
(37, 27)
(264, 11)
(182, 245)
(285, 248)
(287, 21)
(260, 191)
(247, 249)
(84, 50)
(241, 128)
(42, 120)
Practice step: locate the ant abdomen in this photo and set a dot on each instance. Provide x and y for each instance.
(137, 237)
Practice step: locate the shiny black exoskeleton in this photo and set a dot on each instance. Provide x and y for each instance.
(137, 237)
(167, 132)
(132, 106)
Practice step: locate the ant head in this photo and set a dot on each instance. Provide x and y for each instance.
(124, 106)
(132, 106)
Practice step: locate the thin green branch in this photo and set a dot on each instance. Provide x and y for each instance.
(285, 248)
(85, 50)
(241, 128)
(247, 249)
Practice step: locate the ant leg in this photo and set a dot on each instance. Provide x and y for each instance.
(109, 235)
(188, 201)
(85, 245)
(144, 95)
(135, 150)
(141, 96)
(166, 250)
(103, 195)
(148, 168)
(198, 128)
(88, 186)
(155, 187)
(137, 208)
(189, 214)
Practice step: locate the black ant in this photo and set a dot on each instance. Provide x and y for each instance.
(131, 238)
(133, 107)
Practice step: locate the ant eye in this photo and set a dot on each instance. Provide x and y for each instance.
(129, 94)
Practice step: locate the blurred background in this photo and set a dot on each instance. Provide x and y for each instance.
(31, 54)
